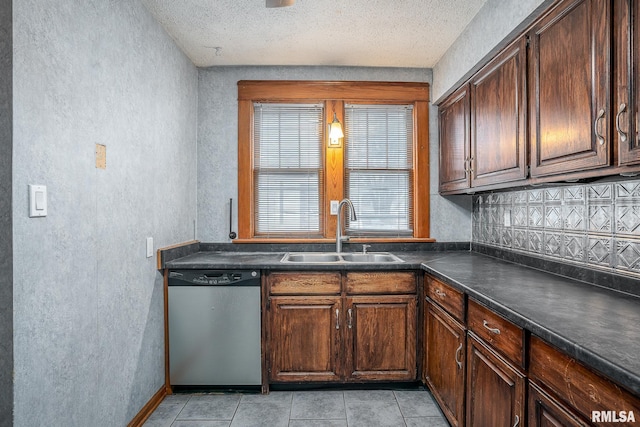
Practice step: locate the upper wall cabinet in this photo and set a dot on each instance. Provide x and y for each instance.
(454, 141)
(627, 81)
(569, 79)
(483, 126)
(498, 119)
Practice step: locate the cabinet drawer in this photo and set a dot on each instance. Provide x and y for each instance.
(452, 300)
(301, 283)
(402, 282)
(501, 334)
(574, 383)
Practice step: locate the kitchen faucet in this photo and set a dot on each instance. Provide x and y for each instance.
(339, 225)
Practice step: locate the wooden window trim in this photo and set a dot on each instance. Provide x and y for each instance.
(334, 95)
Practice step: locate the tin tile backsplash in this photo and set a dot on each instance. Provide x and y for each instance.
(594, 225)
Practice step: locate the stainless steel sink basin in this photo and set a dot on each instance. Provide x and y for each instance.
(340, 258)
(372, 257)
(311, 257)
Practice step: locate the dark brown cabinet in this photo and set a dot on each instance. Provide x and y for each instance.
(581, 390)
(381, 337)
(627, 80)
(321, 329)
(483, 126)
(495, 388)
(498, 119)
(307, 332)
(445, 354)
(543, 411)
(560, 103)
(454, 119)
(569, 79)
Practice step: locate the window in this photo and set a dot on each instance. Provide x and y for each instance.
(379, 168)
(288, 170)
(287, 173)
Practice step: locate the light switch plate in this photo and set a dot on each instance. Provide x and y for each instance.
(37, 201)
(149, 247)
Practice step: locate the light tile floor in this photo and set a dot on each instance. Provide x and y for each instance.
(324, 408)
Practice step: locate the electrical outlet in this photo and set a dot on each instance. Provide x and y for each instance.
(334, 207)
(507, 218)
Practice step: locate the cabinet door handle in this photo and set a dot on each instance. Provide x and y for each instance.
(458, 362)
(622, 109)
(490, 329)
(440, 293)
(337, 318)
(517, 421)
(595, 126)
(471, 164)
(466, 167)
(349, 318)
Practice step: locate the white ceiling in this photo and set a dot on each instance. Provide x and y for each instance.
(375, 33)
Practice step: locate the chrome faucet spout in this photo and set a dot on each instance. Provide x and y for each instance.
(339, 225)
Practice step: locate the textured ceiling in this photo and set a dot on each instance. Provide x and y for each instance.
(376, 33)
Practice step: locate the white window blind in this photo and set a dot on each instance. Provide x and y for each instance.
(379, 168)
(288, 169)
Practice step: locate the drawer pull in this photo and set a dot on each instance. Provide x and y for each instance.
(490, 329)
(337, 318)
(440, 293)
(458, 362)
(517, 421)
(350, 318)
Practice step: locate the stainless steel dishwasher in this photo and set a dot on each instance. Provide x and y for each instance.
(214, 328)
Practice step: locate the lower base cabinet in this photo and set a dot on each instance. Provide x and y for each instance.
(381, 338)
(495, 388)
(340, 338)
(545, 411)
(445, 351)
(306, 330)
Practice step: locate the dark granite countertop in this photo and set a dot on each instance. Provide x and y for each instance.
(595, 325)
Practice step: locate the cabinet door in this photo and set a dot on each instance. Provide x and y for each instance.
(454, 141)
(495, 389)
(569, 86)
(381, 337)
(544, 411)
(627, 93)
(304, 338)
(498, 120)
(445, 362)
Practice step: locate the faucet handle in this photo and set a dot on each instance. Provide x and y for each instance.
(364, 248)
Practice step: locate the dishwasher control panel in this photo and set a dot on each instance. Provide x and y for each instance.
(214, 277)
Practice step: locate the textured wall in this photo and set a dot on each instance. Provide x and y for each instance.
(6, 249)
(495, 21)
(88, 317)
(592, 225)
(218, 147)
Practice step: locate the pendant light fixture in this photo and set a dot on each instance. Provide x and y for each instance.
(335, 132)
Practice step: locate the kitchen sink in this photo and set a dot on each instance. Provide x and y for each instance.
(340, 258)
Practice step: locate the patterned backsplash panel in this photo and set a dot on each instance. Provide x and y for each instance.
(594, 225)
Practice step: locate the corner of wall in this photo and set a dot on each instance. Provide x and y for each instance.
(6, 227)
